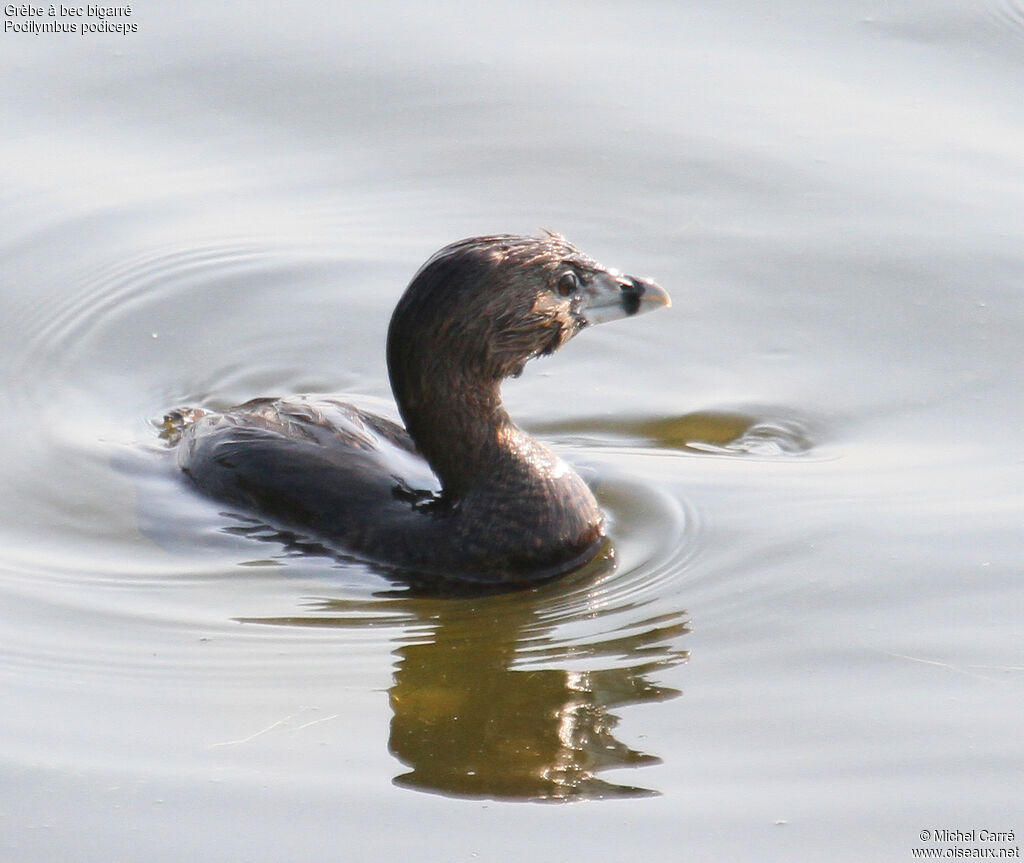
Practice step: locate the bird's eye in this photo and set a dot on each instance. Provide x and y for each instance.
(567, 284)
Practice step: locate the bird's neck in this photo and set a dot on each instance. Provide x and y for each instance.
(462, 429)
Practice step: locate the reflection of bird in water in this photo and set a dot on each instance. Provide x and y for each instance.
(468, 724)
(528, 735)
(492, 701)
(460, 492)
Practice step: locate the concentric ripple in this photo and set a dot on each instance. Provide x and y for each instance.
(135, 324)
(511, 695)
(116, 542)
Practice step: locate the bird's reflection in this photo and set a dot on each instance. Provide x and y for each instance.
(490, 699)
(470, 725)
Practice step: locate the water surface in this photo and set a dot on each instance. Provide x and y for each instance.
(804, 641)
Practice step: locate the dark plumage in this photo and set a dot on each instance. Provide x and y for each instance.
(461, 492)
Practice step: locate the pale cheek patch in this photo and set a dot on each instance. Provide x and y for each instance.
(546, 306)
(557, 319)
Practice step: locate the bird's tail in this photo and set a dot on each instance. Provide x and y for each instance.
(176, 421)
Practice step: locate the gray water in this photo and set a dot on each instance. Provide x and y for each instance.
(806, 643)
